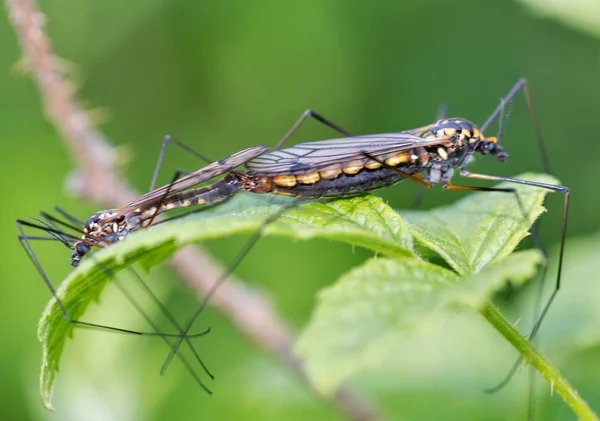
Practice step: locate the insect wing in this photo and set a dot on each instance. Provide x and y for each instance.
(205, 173)
(336, 153)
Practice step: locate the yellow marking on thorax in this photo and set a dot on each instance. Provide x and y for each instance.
(449, 131)
(476, 135)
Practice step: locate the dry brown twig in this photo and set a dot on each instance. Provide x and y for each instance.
(100, 182)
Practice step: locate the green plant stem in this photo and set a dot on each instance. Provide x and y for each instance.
(559, 383)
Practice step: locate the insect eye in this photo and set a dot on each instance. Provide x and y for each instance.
(487, 147)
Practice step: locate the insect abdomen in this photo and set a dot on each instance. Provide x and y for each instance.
(342, 185)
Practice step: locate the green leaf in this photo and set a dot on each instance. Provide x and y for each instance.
(82, 287)
(477, 230)
(476, 290)
(582, 15)
(481, 228)
(364, 221)
(360, 317)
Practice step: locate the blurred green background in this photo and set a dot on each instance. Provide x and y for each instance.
(225, 75)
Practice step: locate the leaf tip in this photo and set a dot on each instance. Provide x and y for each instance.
(46, 385)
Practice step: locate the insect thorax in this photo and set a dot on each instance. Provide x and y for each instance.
(463, 137)
(102, 228)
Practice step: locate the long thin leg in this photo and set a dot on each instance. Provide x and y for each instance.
(68, 216)
(24, 240)
(302, 119)
(535, 329)
(173, 321)
(165, 338)
(503, 118)
(256, 236)
(54, 233)
(296, 126)
(442, 112)
(27, 246)
(176, 177)
(499, 112)
(531, 405)
(236, 262)
(50, 226)
(53, 222)
(565, 190)
(521, 85)
(552, 187)
(168, 139)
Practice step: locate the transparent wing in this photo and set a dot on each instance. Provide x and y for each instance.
(203, 174)
(337, 153)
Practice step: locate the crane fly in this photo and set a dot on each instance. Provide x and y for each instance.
(334, 168)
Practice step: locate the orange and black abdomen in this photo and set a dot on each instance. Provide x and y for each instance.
(337, 167)
(324, 185)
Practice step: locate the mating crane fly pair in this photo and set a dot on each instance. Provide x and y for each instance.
(334, 168)
(325, 169)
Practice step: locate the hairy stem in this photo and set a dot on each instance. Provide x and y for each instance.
(533, 357)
